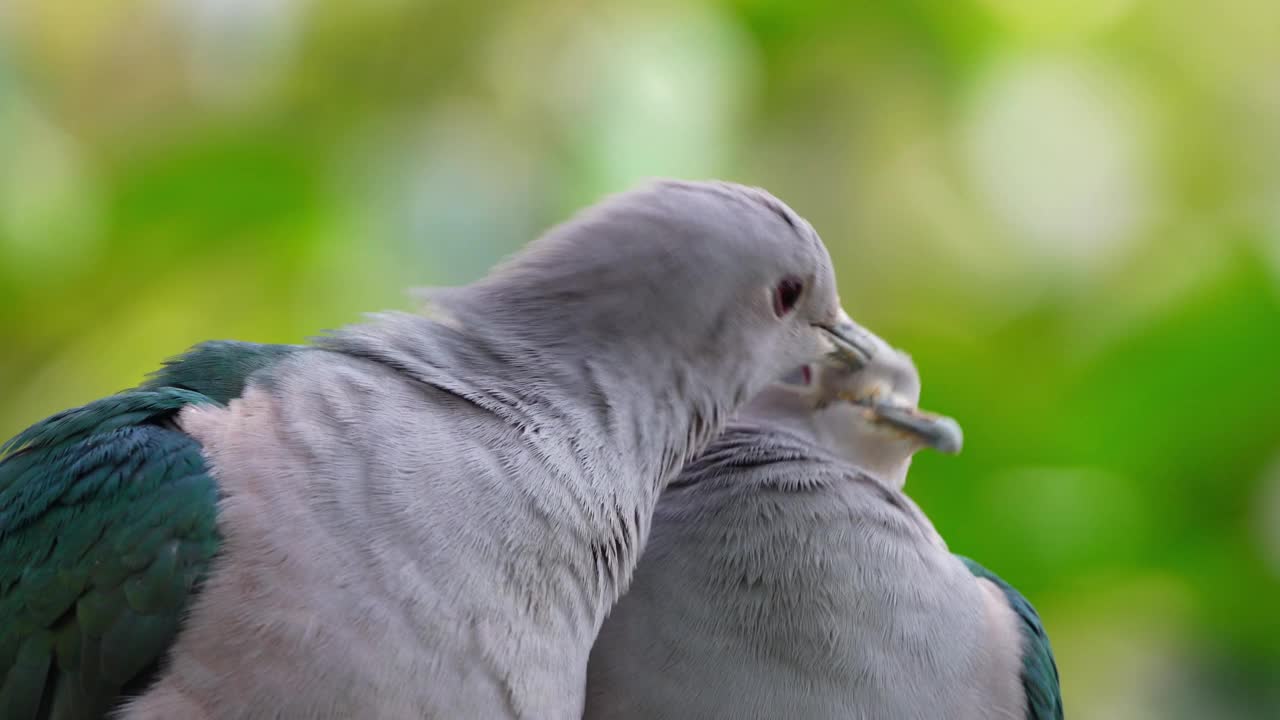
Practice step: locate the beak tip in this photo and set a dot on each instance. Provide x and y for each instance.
(927, 430)
(949, 438)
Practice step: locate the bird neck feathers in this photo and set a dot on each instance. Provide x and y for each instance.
(616, 405)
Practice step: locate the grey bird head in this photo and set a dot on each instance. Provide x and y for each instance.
(868, 415)
(723, 283)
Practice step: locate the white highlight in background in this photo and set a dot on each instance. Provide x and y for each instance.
(1057, 151)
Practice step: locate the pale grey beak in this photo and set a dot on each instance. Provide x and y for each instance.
(936, 431)
(853, 346)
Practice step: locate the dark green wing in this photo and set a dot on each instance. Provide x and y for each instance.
(107, 524)
(1039, 671)
(218, 369)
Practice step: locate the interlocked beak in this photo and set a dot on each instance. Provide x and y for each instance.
(852, 347)
(860, 370)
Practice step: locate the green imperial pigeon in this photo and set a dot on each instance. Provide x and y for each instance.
(420, 516)
(788, 576)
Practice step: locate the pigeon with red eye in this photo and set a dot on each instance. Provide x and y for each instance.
(788, 576)
(786, 294)
(424, 515)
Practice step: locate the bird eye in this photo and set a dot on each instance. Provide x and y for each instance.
(786, 294)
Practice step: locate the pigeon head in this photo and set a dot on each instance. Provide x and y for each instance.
(868, 415)
(721, 284)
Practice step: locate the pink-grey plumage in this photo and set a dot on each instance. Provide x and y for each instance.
(787, 575)
(424, 515)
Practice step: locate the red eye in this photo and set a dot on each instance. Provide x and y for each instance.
(786, 294)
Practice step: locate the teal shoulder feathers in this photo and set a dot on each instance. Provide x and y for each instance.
(1039, 671)
(107, 524)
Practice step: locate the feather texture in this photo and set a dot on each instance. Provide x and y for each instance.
(107, 524)
(779, 580)
(430, 516)
(1039, 670)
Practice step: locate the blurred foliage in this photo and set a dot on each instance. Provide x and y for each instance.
(1068, 211)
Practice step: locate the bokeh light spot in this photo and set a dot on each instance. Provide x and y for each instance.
(1056, 150)
(649, 94)
(49, 213)
(238, 50)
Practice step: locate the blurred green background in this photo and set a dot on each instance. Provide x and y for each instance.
(1068, 211)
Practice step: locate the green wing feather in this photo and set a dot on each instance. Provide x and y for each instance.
(107, 524)
(1039, 670)
(218, 369)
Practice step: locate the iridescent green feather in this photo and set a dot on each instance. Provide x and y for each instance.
(107, 525)
(1039, 671)
(218, 369)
